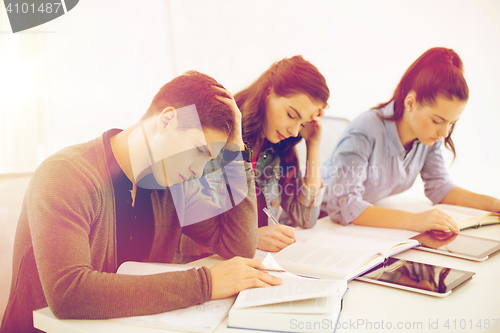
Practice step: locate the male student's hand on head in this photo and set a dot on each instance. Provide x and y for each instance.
(227, 98)
(234, 275)
(274, 238)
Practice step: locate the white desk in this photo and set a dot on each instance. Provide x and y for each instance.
(474, 303)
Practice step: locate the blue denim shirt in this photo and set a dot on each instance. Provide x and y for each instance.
(213, 184)
(369, 163)
(301, 204)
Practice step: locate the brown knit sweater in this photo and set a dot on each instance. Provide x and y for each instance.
(65, 247)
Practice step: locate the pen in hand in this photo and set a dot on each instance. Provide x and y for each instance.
(270, 216)
(271, 270)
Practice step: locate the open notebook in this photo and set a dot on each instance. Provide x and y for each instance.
(465, 217)
(293, 306)
(344, 253)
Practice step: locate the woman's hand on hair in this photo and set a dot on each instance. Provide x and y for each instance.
(311, 132)
(274, 238)
(234, 275)
(227, 98)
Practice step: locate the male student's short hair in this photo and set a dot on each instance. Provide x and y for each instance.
(198, 89)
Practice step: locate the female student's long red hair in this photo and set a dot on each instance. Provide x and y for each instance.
(437, 72)
(287, 77)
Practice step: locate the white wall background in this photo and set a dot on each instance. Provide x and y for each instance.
(99, 65)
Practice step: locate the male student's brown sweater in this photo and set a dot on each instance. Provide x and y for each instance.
(65, 246)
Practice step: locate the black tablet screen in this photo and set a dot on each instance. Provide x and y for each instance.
(418, 275)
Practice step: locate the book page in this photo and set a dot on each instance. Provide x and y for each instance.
(463, 216)
(491, 218)
(334, 260)
(361, 240)
(387, 233)
(146, 268)
(313, 305)
(356, 240)
(457, 213)
(385, 241)
(341, 252)
(199, 318)
(293, 288)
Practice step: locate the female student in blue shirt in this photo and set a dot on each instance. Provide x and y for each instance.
(384, 149)
(283, 106)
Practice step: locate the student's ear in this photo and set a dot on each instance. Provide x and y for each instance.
(269, 91)
(167, 120)
(410, 101)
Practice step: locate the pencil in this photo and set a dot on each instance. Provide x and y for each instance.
(271, 270)
(270, 216)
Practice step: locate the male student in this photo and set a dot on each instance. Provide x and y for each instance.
(127, 195)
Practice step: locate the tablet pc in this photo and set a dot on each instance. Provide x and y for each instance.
(457, 245)
(418, 277)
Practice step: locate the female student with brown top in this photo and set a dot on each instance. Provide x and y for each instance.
(282, 107)
(384, 149)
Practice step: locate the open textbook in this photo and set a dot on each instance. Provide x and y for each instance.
(298, 305)
(464, 217)
(199, 318)
(344, 253)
